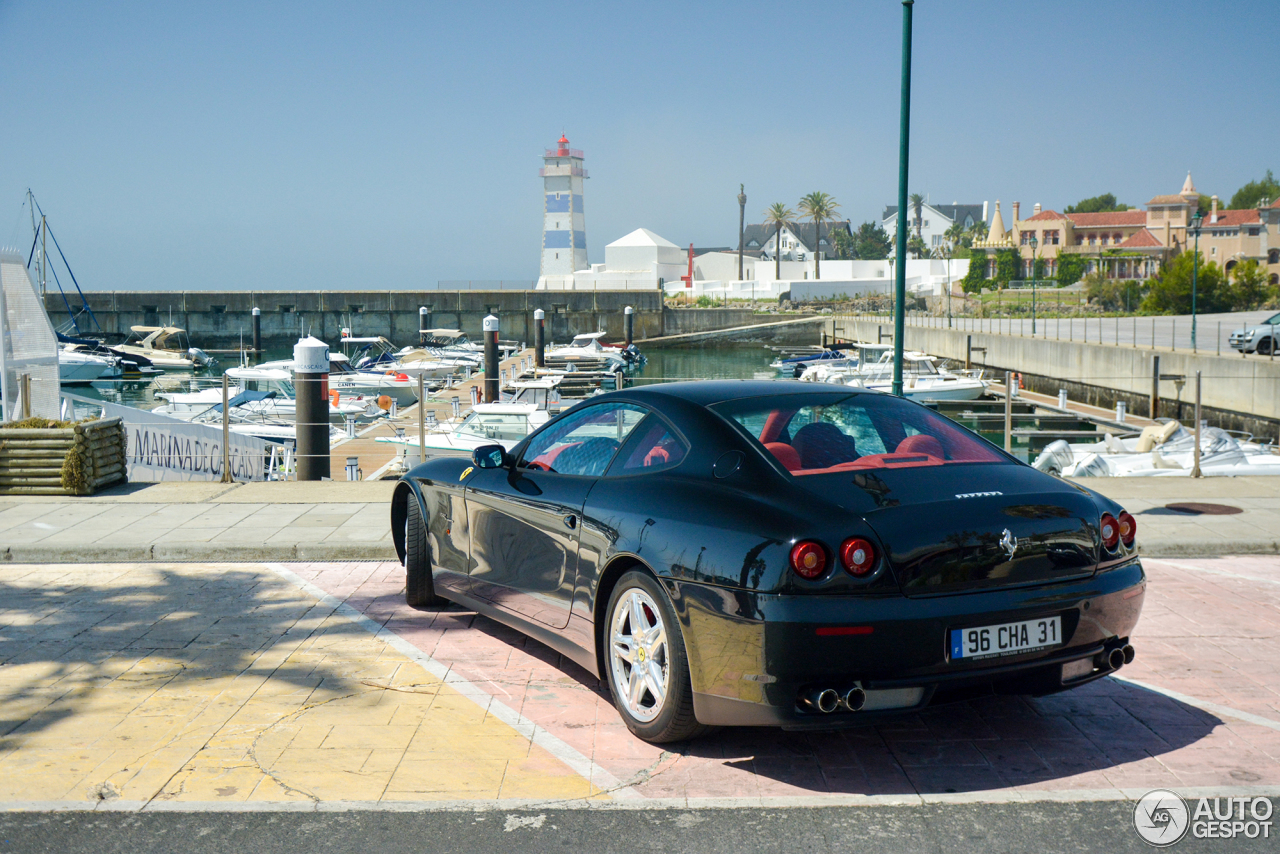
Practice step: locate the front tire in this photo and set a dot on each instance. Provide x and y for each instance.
(419, 586)
(1265, 346)
(645, 662)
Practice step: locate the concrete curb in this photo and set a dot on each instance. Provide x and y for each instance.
(256, 552)
(204, 552)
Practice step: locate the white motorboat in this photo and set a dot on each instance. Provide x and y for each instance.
(247, 416)
(378, 354)
(280, 404)
(844, 369)
(922, 379)
(162, 346)
(534, 403)
(77, 367)
(1165, 449)
(586, 352)
(348, 381)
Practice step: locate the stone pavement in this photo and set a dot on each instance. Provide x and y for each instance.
(312, 686)
(336, 520)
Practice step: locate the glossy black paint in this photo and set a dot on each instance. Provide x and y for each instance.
(540, 551)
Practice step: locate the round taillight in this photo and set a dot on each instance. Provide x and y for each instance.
(1128, 528)
(1110, 531)
(858, 555)
(808, 559)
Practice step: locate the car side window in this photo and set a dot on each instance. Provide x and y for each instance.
(583, 442)
(653, 447)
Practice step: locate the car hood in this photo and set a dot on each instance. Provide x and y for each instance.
(961, 528)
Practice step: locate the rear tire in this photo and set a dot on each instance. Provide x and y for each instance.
(657, 721)
(419, 586)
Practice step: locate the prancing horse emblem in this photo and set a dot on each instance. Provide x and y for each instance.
(1009, 542)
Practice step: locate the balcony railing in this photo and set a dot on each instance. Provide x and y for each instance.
(559, 171)
(564, 152)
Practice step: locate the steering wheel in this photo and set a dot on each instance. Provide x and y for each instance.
(537, 465)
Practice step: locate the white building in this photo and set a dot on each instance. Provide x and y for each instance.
(637, 261)
(934, 220)
(564, 229)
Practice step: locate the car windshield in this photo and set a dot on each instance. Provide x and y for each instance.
(825, 433)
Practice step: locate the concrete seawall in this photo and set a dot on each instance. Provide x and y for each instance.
(218, 319)
(1240, 393)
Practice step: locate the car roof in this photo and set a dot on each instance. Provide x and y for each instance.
(708, 392)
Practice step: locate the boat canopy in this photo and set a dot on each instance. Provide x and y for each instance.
(156, 334)
(242, 398)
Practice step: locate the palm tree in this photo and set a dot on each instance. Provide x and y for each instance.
(916, 246)
(819, 207)
(916, 201)
(977, 232)
(954, 235)
(779, 216)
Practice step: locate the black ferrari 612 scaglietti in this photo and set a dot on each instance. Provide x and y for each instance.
(778, 554)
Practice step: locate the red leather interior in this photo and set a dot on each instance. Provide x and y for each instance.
(921, 443)
(786, 455)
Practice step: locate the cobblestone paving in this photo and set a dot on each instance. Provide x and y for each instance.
(134, 686)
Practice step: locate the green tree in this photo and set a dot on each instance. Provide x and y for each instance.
(976, 233)
(844, 244)
(1249, 289)
(1170, 291)
(871, 242)
(1070, 268)
(1097, 204)
(916, 202)
(1008, 266)
(779, 216)
(972, 281)
(818, 207)
(954, 235)
(1250, 194)
(915, 246)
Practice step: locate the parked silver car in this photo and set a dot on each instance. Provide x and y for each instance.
(1258, 339)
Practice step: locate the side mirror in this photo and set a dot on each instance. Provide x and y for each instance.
(490, 457)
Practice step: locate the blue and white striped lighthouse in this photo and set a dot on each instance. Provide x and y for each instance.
(564, 229)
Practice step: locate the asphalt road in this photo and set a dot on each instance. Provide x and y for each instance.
(953, 828)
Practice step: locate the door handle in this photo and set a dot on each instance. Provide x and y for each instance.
(571, 521)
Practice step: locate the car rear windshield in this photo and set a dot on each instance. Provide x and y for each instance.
(825, 433)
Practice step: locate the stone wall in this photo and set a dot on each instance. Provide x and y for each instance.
(222, 319)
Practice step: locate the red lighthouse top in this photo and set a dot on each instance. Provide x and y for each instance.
(563, 142)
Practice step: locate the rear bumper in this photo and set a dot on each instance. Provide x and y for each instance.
(751, 656)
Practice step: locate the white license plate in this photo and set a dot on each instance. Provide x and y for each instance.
(1006, 638)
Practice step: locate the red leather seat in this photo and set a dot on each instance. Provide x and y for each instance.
(921, 444)
(786, 455)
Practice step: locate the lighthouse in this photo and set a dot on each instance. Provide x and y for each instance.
(564, 229)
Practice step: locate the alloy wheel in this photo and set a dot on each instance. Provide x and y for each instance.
(639, 655)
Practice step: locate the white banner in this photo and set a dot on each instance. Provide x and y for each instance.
(164, 448)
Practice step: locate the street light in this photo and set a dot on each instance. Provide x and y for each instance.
(1195, 274)
(742, 218)
(1034, 244)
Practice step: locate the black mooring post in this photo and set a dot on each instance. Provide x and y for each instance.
(491, 387)
(257, 330)
(539, 338)
(311, 375)
(628, 324)
(424, 323)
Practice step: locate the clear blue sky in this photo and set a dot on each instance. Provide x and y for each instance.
(380, 144)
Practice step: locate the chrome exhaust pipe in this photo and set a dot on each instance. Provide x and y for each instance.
(854, 698)
(1129, 653)
(1115, 658)
(824, 700)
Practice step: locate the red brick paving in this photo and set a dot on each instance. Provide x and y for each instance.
(1210, 630)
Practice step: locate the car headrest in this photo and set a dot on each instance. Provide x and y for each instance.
(921, 444)
(822, 445)
(785, 454)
